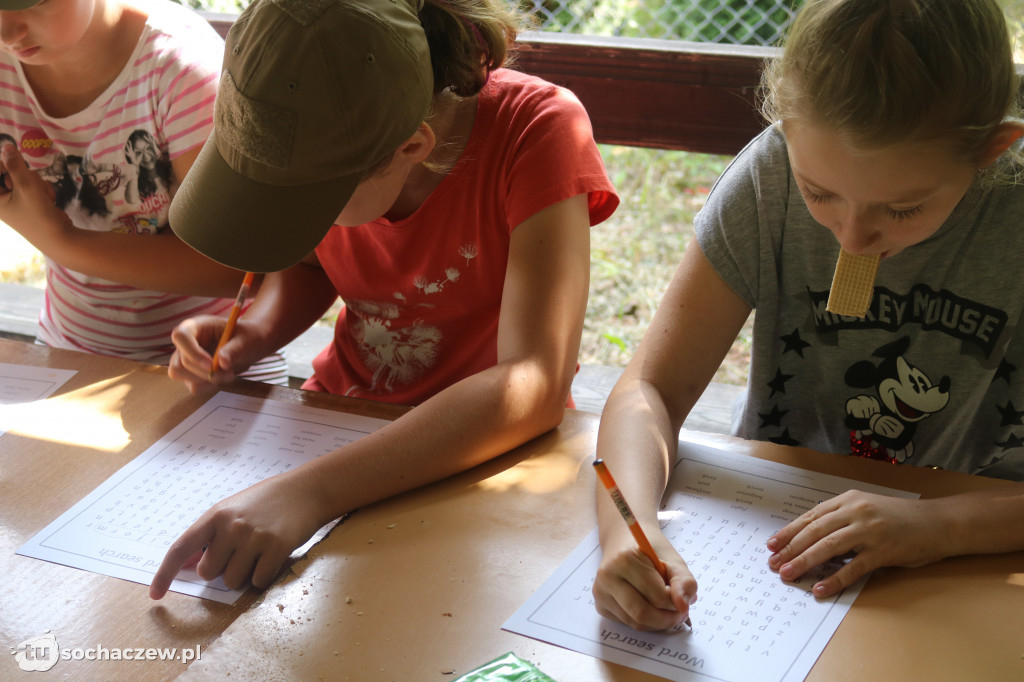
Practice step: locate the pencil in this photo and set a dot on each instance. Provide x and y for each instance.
(236, 310)
(634, 527)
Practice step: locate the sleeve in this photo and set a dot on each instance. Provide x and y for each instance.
(555, 157)
(189, 53)
(739, 229)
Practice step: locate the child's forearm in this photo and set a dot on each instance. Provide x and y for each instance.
(638, 441)
(469, 423)
(983, 522)
(288, 303)
(155, 262)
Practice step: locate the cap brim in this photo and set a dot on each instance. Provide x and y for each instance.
(11, 5)
(253, 226)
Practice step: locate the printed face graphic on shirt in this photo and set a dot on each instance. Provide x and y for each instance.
(884, 419)
(901, 398)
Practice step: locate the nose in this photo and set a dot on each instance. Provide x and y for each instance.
(12, 28)
(857, 232)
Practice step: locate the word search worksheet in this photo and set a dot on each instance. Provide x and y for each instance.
(21, 384)
(125, 526)
(719, 510)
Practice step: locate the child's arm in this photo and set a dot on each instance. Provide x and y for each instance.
(695, 325)
(890, 531)
(157, 262)
(543, 304)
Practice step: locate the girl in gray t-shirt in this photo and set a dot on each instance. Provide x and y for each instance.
(892, 134)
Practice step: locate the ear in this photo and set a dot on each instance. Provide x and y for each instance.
(1006, 134)
(418, 147)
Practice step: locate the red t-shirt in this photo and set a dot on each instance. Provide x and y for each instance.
(422, 295)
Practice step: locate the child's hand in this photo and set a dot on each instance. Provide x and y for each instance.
(195, 341)
(27, 202)
(630, 590)
(246, 537)
(880, 530)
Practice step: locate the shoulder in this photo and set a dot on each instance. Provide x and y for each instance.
(768, 147)
(751, 196)
(525, 111)
(179, 34)
(763, 163)
(515, 93)
(175, 18)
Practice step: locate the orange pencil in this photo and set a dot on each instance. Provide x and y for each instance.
(236, 310)
(634, 527)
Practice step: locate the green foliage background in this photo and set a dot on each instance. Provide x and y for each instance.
(223, 6)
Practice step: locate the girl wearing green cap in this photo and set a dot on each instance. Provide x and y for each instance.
(461, 195)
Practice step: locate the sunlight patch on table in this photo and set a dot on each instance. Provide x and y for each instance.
(96, 425)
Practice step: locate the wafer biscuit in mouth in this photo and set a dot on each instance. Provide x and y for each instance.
(852, 284)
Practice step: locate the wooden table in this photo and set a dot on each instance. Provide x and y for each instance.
(417, 587)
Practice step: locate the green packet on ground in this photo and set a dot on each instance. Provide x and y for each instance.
(507, 668)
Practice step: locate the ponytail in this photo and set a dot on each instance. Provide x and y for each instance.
(468, 39)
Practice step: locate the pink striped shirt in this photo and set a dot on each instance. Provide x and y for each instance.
(110, 167)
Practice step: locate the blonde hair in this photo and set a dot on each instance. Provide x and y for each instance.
(883, 72)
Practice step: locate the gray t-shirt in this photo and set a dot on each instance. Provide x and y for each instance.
(932, 376)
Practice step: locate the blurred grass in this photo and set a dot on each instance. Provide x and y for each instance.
(29, 272)
(633, 254)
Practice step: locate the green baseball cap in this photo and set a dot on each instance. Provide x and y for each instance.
(13, 5)
(312, 94)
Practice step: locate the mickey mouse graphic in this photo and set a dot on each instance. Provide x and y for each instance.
(884, 424)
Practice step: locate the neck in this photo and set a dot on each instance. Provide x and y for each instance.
(69, 84)
(452, 124)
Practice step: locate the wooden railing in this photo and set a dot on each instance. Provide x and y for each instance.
(664, 94)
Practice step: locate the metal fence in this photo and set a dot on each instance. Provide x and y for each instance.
(744, 22)
(749, 22)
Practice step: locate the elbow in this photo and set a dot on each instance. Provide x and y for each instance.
(544, 402)
(550, 415)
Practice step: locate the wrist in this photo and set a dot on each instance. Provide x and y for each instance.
(952, 526)
(315, 494)
(258, 344)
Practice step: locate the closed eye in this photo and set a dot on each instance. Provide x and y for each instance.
(814, 197)
(901, 214)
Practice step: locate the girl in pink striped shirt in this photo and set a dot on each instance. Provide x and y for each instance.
(109, 102)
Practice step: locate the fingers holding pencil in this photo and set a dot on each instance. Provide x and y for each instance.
(236, 311)
(194, 341)
(626, 588)
(192, 362)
